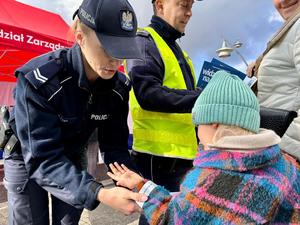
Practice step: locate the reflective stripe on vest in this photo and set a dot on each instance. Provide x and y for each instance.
(164, 134)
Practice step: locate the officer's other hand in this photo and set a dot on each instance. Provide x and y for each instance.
(250, 69)
(121, 199)
(124, 176)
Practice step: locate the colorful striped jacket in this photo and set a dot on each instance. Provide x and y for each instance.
(229, 187)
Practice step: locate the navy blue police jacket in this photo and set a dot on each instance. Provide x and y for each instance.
(55, 113)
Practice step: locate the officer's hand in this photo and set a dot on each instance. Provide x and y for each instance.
(124, 176)
(250, 70)
(121, 199)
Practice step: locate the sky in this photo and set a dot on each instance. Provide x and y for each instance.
(252, 22)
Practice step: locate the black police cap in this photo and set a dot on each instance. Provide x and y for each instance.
(115, 24)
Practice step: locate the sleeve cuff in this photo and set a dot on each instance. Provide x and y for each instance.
(94, 189)
(147, 188)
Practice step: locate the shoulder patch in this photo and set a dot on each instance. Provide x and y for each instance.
(43, 73)
(143, 33)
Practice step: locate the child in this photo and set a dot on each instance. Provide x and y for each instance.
(239, 174)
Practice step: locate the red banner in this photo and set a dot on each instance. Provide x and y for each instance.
(30, 41)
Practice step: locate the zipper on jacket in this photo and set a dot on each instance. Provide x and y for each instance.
(90, 101)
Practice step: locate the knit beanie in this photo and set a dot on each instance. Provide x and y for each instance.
(227, 100)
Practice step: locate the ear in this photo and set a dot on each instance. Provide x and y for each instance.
(79, 38)
(159, 6)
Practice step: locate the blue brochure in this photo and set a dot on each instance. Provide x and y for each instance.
(228, 68)
(210, 68)
(207, 71)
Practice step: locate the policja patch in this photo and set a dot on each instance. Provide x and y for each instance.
(87, 16)
(127, 20)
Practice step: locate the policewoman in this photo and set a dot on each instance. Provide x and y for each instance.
(61, 97)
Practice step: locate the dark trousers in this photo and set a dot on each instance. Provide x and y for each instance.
(28, 202)
(167, 172)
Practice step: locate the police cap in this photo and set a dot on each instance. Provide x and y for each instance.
(115, 24)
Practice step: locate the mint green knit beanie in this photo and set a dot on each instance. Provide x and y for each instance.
(227, 100)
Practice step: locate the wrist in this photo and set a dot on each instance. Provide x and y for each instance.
(101, 194)
(140, 184)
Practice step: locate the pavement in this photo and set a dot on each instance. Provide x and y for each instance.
(102, 215)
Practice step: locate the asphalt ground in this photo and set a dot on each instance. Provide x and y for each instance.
(102, 215)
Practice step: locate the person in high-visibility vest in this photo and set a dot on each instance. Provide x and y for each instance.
(164, 92)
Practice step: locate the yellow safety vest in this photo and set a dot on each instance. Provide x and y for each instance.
(164, 134)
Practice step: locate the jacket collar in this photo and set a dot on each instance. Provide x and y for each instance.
(165, 30)
(76, 67)
(241, 153)
(237, 161)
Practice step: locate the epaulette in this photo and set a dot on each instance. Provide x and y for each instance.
(40, 75)
(142, 33)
